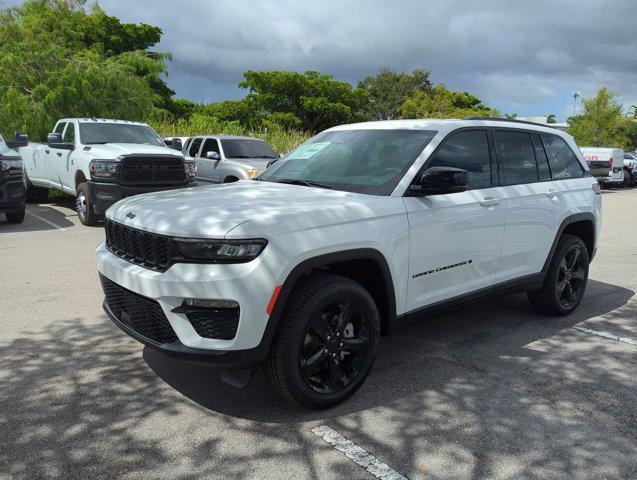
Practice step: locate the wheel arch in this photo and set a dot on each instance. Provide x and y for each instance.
(79, 178)
(580, 224)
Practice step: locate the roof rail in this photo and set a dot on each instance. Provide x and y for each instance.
(512, 120)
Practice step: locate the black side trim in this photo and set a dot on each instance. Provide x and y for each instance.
(578, 217)
(522, 284)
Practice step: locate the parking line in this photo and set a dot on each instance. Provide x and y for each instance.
(627, 340)
(48, 222)
(352, 451)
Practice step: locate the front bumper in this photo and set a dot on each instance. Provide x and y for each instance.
(103, 194)
(246, 284)
(12, 193)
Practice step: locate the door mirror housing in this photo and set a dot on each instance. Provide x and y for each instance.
(54, 140)
(440, 180)
(176, 144)
(21, 140)
(212, 155)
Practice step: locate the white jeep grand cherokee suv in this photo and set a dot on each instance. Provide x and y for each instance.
(363, 228)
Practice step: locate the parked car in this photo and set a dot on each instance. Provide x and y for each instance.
(362, 229)
(101, 162)
(228, 158)
(11, 180)
(630, 169)
(606, 165)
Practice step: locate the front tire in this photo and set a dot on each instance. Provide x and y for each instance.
(628, 179)
(566, 278)
(83, 206)
(16, 217)
(326, 342)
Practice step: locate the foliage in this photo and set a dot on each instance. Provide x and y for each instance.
(601, 123)
(444, 103)
(551, 118)
(280, 139)
(58, 59)
(388, 90)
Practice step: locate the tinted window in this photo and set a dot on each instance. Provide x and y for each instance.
(193, 151)
(540, 156)
(516, 157)
(60, 127)
(69, 134)
(562, 160)
(210, 145)
(468, 150)
(364, 161)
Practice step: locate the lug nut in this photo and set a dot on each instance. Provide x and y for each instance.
(329, 338)
(338, 334)
(326, 352)
(341, 345)
(334, 355)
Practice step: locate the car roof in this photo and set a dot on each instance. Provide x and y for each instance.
(101, 120)
(223, 136)
(448, 125)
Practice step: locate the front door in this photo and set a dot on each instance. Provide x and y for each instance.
(456, 238)
(209, 167)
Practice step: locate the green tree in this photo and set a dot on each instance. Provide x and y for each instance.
(388, 90)
(310, 101)
(444, 103)
(601, 123)
(58, 59)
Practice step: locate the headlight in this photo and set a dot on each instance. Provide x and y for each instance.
(219, 251)
(103, 169)
(14, 167)
(191, 168)
(253, 172)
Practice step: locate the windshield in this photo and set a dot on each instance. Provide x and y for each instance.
(363, 161)
(96, 133)
(236, 148)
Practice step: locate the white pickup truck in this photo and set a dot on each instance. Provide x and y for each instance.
(102, 161)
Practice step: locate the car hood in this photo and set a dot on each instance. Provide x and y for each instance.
(112, 151)
(258, 163)
(213, 211)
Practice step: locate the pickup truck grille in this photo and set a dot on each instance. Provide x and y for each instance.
(142, 248)
(141, 314)
(142, 170)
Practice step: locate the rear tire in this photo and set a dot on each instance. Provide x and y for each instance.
(565, 280)
(83, 206)
(628, 179)
(326, 342)
(16, 217)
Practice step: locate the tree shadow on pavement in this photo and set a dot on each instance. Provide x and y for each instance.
(488, 385)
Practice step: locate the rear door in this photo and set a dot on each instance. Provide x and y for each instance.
(455, 239)
(532, 203)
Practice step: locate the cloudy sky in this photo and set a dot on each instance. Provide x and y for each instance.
(523, 56)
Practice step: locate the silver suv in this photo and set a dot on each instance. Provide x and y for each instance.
(228, 158)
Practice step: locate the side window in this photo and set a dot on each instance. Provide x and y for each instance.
(540, 156)
(210, 145)
(59, 128)
(69, 133)
(468, 150)
(193, 151)
(562, 160)
(516, 156)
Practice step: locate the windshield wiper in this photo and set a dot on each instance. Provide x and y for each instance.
(305, 183)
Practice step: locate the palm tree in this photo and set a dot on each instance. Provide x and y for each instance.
(551, 118)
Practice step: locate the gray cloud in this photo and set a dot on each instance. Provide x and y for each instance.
(522, 56)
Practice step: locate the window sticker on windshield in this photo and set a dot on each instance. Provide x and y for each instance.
(307, 151)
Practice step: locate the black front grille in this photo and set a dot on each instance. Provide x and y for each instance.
(217, 323)
(141, 170)
(141, 314)
(137, 246)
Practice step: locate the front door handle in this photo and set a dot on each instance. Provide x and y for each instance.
(59, 154)
(489, 202)
(47, 151)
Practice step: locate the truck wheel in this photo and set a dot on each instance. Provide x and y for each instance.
(326, 342)
(16, 217)
(628, 179)
(30, 190)
(41, 194)
(84, 207)
(565, 280)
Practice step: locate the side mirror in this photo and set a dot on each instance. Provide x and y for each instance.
(21, 140)
(440, 180)
(54, 140)
(176, 144)
(212, 155)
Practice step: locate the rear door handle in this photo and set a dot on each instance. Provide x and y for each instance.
(59, 154)
(47, 151)
(552, 193)
(489, 202)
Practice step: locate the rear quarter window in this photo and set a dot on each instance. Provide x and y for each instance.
(562, 160)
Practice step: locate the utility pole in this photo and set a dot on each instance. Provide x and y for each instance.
(575, 94)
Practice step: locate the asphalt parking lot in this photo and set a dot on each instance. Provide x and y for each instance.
(489, 391)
